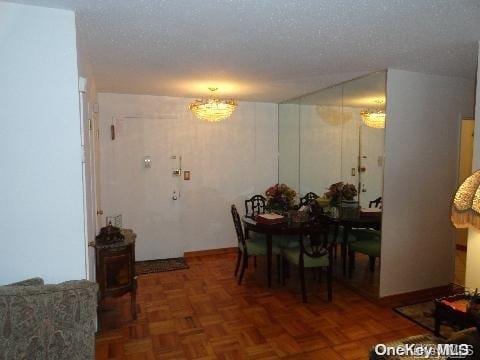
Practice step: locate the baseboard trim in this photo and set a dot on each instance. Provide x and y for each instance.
(419, 295)
(461, 247)
(209, 252)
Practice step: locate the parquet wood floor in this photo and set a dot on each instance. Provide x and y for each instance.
(201, 313)
(363, 280)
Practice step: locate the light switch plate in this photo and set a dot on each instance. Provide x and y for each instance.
(147, 162)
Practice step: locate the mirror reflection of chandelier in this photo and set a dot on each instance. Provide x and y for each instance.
(374, 118)
(213, 109)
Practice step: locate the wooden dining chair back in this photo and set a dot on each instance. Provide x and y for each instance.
(376, 203)
(315, 251)
(242, 246)
(255, 205)
(248, 247)
(238, 227)
(308, 198)
(317, 244)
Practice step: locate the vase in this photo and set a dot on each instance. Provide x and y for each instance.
(349, 203)
(277, 207)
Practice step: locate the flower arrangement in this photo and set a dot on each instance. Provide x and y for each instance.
(340, 191)
(280, 197)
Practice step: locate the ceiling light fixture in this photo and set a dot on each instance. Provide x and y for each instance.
(213, 109)
(374, 118)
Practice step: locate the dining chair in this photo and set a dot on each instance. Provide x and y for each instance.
(308, 198)
(313, 252)
(248, 247)
(376, 203)
(256, 205)
(366, 242)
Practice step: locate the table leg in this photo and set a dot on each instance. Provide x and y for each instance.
(335, 235)
(437, 323)
(269, 259)
(346, 230)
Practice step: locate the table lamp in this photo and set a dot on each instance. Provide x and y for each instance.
(466, 203)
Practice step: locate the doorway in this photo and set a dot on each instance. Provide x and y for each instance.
(464, 170)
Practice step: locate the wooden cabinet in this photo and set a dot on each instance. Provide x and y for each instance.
(115, 269)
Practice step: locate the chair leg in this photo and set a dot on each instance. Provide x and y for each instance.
(301, 270)
(244, 266)
(371, 261)
(335, 234)
(351, 262)
(254, 261)
(286, 268)
(320, 273)
(239, 258)
(279, 268)
(329, 283)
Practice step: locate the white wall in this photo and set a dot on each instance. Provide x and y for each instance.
(289, 145)
(229, 161)
(421, 147)
(41, 213)
(472, 271)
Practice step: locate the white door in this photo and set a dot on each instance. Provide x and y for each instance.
(371, 160)
(465, 167)
(88, 172)
(146, 202)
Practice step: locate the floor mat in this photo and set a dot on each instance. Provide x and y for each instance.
(423, 314)
(161, 265)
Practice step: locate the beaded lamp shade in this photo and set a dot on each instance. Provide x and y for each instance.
(466, 203)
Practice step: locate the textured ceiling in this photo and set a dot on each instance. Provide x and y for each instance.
(365, 92)
(268, 50)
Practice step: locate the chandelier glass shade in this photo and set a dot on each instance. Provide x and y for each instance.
(373, 119)
(465, 209)
(213, 109)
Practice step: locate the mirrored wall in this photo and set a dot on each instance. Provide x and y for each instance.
(336, 135)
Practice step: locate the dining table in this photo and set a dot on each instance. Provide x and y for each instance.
(347, 218)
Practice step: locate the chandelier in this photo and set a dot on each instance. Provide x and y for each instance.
(374, 119)
(213, 109)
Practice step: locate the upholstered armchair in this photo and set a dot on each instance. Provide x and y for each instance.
(43, 322)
